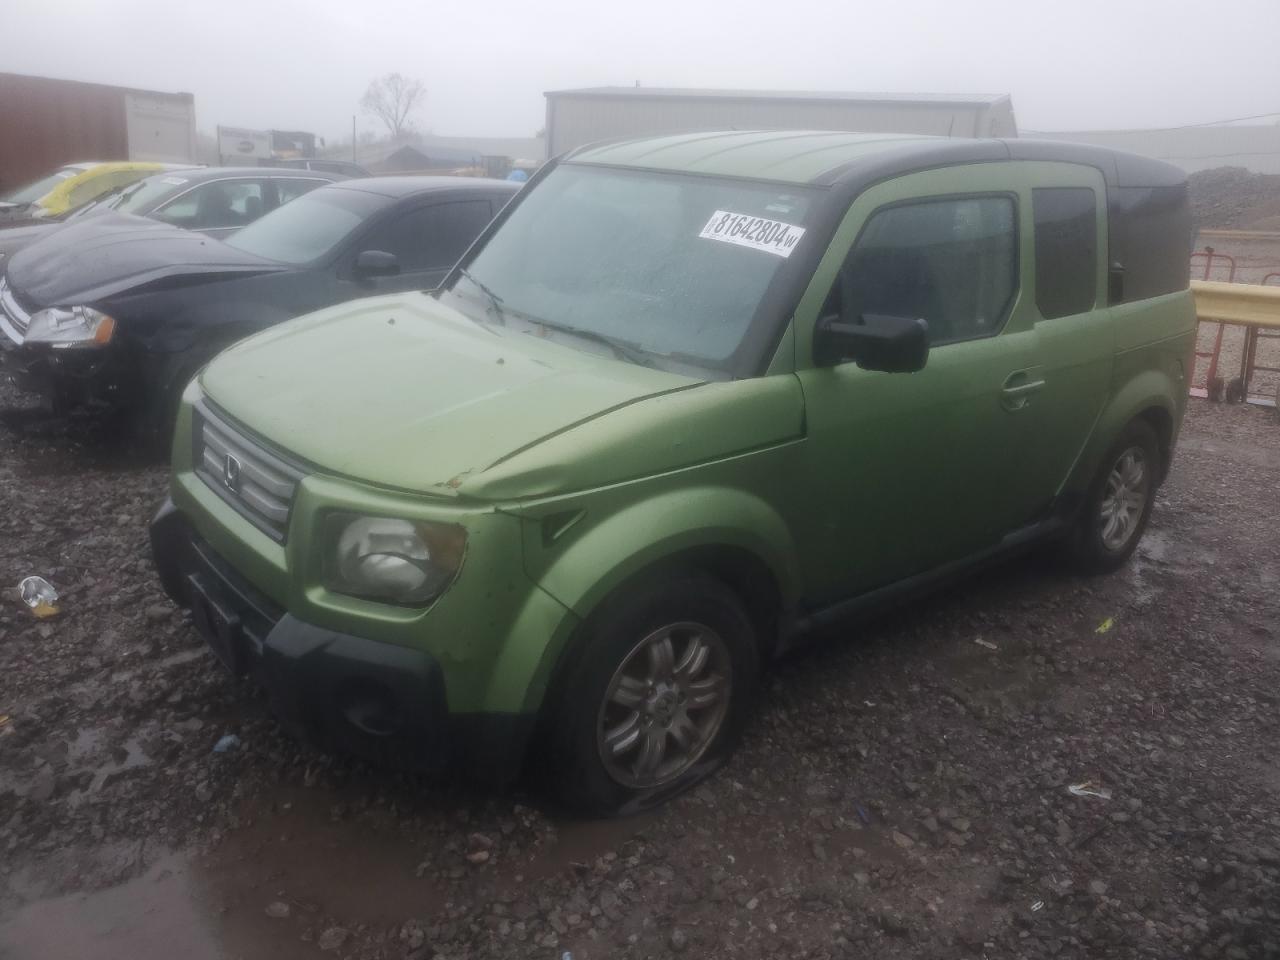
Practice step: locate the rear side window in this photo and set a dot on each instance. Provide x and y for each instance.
(951, 262)
(1150, 230)
(1066, 222)
(291, 189)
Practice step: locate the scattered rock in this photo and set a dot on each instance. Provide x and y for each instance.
(333, 938)
(158, 612)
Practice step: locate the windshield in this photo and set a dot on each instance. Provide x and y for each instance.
(136, 197)
(309, 227)
(34, 191)
(673, 265)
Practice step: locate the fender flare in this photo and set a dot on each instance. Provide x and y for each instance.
(630, 543)
(1147, 391)
(661, 528)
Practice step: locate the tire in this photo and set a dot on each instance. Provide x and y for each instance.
(623, 695)
(160, 415)
(1103, 539)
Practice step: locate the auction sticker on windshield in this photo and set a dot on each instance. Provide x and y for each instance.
(771, 236)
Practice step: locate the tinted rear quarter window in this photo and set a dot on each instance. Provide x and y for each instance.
(1066, 250)
(1150, 230)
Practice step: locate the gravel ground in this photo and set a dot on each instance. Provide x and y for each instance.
(903, 791)
(1264, 384)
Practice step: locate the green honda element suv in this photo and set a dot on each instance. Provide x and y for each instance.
(686, 398)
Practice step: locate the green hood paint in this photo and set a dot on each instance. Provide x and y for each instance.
(404, 392)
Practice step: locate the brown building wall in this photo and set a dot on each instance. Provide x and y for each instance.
(45, 123)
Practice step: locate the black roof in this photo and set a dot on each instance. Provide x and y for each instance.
(1119, 168)
(400, 187)
(205, 174)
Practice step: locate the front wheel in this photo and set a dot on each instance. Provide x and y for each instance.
(658, 696)
(1118, 504)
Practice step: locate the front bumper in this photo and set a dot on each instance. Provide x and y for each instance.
(352, 694)
(64, 378)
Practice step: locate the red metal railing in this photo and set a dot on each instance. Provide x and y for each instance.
(1210, 255)
(1252, 335)
(1213, 390)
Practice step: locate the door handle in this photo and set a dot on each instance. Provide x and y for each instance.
(1017, 390)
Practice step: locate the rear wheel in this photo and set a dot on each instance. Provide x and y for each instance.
(1118, 504)
(658, 696)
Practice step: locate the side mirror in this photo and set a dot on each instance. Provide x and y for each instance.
(875, 342)
(376, 263)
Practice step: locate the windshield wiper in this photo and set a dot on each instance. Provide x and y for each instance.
(624, 349)
(494, 300)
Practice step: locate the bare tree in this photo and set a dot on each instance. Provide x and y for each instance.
(392, 99)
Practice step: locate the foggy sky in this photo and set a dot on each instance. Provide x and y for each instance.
(302, 64)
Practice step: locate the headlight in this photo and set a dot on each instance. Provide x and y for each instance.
(63, 327)
(395, 561)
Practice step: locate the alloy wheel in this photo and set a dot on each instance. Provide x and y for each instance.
(664, 705)
(1124, 498)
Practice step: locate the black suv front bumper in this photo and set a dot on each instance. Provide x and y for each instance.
(355, 695)
(65, 378)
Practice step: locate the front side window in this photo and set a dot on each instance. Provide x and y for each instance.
(668, 266)
(310, 227)
(220, 204)
(431, 237)
(1066, 250)
(952, 262)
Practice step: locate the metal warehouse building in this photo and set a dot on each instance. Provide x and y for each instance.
(576, 117)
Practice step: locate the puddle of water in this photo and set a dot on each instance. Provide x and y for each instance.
(289, 847)
(212, 906)
(155, 915)
(294, 850)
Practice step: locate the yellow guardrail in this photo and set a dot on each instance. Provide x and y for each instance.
(1246, 303)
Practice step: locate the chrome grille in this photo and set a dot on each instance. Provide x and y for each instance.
(258, 483)
(17, 318)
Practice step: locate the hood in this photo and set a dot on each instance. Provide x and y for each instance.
(402, 391)
(87, 260)
(13, 239)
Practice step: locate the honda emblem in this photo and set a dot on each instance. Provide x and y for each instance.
(231, 473)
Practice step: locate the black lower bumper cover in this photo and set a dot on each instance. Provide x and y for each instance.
(64, 378)
(372, 699)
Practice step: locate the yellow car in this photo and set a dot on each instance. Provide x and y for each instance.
(74, 185)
